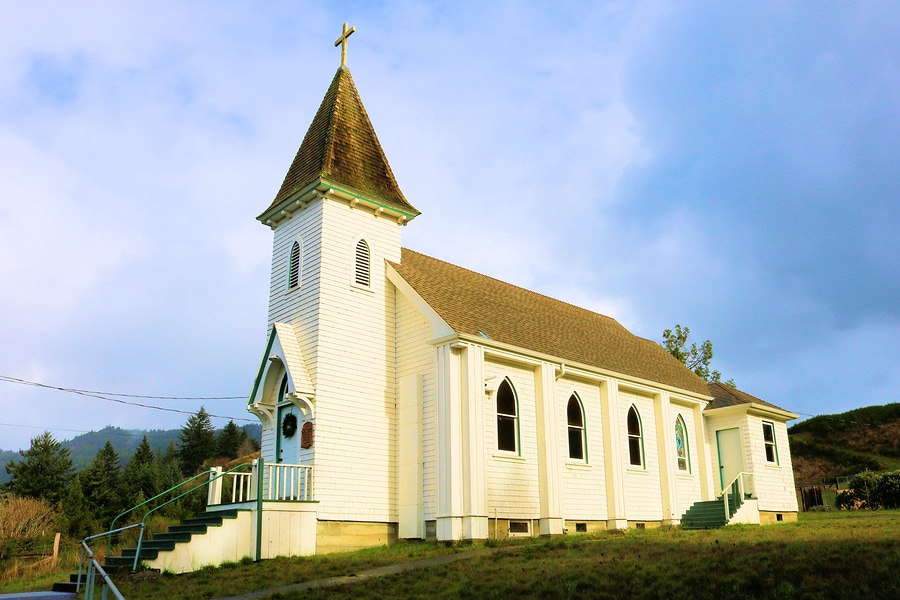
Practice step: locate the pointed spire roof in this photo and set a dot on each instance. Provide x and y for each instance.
(341, 148)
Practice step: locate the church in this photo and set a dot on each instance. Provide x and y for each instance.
(404, 397)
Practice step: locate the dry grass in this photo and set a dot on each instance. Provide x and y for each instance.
(24, 518)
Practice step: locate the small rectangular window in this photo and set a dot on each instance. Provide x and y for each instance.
(769, 441)
(580, 527)
(518, 528)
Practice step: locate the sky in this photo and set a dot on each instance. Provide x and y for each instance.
(730, 167)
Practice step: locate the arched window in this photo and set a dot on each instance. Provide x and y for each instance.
(294, 267)
(577, 442)
(361, 272)
(635, 438)
(681, 446)
(507, 418)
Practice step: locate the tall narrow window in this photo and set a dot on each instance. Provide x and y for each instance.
(635, 439)
(681, 445)
(575, 416)
(769, 441)
(507, 418)
(294, 267)
(361, 276)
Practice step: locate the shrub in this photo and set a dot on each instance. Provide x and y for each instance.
(872, 490)
(25, 518)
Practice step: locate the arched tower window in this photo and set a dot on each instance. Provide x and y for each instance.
(575, 417)
(361, 272)
(682, 452)
(635, 438)
(294, 266)
(507, 418)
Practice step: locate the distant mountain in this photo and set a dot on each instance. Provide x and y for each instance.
(84, 447)
(847, 443)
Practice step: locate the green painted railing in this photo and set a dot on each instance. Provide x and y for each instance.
(112, 526)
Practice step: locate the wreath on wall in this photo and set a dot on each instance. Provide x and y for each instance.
(289, 425)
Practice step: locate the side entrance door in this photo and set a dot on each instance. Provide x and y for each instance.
(288, 434)
(731, 455)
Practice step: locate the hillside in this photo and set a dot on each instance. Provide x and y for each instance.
(846, 443)
(84, 447)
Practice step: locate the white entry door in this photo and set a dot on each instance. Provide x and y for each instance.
(289, 436)
(731, 455)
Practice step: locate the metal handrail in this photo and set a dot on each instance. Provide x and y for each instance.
(137, 554)
(94, 565)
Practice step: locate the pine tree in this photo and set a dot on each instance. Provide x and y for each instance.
(197, 442)
(229, 440)
(101, 483)
(46, 471)
(141, 479)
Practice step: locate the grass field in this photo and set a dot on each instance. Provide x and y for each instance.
(825, 555)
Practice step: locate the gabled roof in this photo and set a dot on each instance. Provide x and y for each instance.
(341, 148)
(725, 395)
(479, 305)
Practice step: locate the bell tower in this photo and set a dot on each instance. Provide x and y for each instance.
(336, 219)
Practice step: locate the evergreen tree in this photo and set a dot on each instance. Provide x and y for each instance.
(80, 522)
(46, 471)
(197, 442)
(141, 479)
(229, 441)
(101, 484)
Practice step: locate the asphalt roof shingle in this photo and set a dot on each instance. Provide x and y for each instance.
(727, 395)
(476, 304)
(340, 147)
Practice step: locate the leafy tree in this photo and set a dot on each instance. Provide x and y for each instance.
(229, 441)
(46, 471)
(101, 483)
(694, 358)
(197, 442)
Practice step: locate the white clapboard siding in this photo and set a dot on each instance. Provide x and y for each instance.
(643, 501)
(774, 482)
(583, 482)
(356, 435)
(298, 306)
(513, 483)
(416, 356)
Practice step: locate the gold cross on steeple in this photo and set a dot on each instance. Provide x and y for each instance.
(343, 43)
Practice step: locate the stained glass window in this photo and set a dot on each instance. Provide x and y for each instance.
(681, 445)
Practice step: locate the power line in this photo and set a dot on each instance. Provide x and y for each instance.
(77, 391)
(119, 433)
(105, 397)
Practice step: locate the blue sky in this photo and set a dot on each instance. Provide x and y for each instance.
(732, 168)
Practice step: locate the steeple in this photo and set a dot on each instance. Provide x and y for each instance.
(341, 150)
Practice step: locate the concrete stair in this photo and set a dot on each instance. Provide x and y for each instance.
(709, 514)
(166, 542)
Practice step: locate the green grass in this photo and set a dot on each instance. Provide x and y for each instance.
(830, 555)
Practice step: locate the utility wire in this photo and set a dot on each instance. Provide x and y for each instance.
(77, 391)
(105, 397)
(119, 433)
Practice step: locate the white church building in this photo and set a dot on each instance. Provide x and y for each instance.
(405, 397)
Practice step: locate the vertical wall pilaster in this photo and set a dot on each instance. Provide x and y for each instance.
(665, 443)
(475, 519)
(612, 445)
(548, 449)
(449, 450)
(704, 456)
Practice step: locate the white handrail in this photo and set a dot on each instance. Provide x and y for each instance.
(726, 490)
(288, 482)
